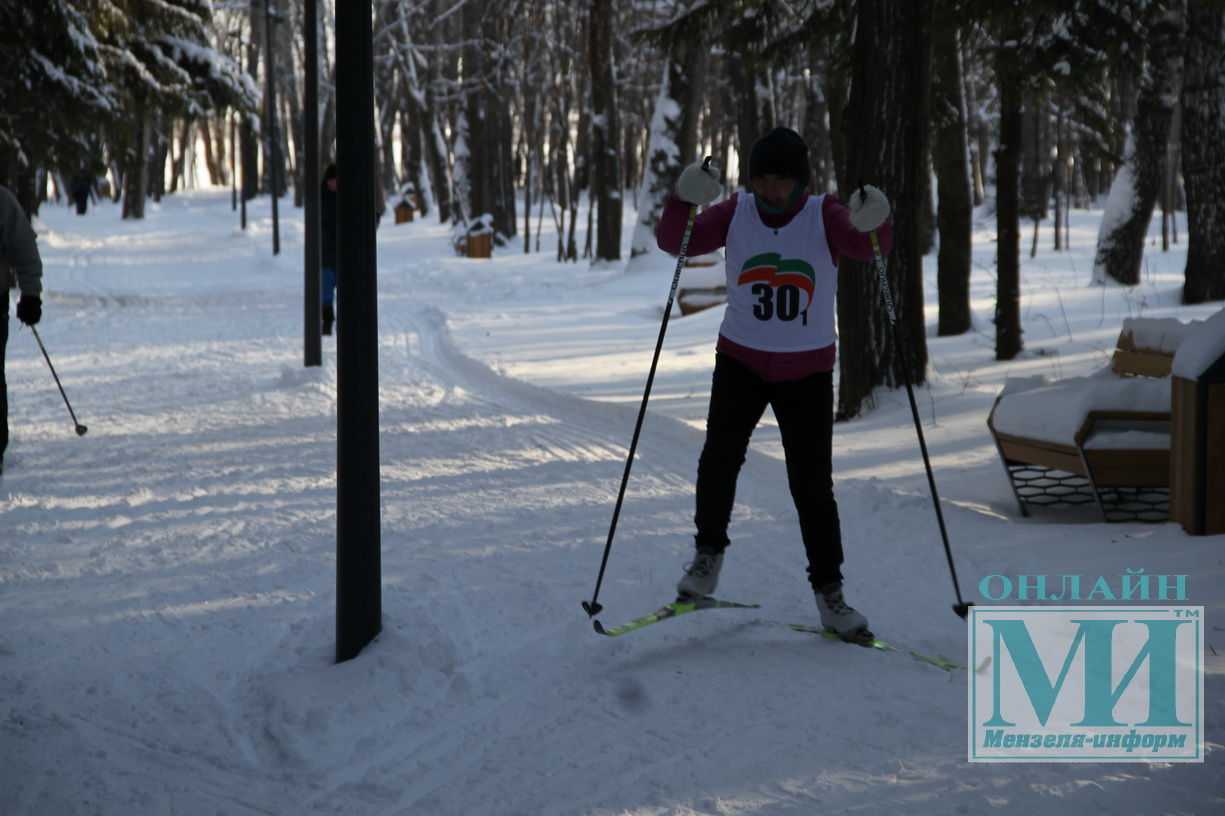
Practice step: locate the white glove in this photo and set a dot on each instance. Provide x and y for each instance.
(869, 208)
(699, 184)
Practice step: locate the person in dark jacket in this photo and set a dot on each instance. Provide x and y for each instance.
(19, 255)
(83, 187)
(327, 250)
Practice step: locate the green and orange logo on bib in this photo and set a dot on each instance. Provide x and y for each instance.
(776, 272)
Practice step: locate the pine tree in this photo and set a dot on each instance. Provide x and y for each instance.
(160, 59)
(55, 92)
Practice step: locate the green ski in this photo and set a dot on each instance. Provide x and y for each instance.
(874, 643)
(671, 611)
(676, 608)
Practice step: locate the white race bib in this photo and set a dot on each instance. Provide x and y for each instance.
(781, 284)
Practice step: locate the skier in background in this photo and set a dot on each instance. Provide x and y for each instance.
(776, 347)
(20, 266)
(327, 249)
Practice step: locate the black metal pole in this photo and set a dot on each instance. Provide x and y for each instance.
(233, 166)
(271, 151)
(358, 591)
(242, 196)
(312, 341)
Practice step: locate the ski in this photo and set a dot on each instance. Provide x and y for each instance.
(874, 643)
(671, 611)
(677, 608)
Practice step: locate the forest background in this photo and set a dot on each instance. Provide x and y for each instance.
(510, 111)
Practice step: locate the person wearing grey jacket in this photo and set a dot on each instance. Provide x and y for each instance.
(20, 265)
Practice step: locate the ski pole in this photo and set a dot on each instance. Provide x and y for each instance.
(961, 607)
(592, 607)
(80, 429)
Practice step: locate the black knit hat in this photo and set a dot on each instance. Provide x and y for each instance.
(781, 152)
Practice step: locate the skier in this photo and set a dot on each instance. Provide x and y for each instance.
(18, 254)
(327, 254)
(776, 347)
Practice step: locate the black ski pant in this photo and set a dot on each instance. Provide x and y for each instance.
(804, 409)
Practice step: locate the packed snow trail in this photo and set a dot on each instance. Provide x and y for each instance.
(495, 496)
(166, 582)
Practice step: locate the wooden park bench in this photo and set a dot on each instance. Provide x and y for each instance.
(702, 284)
(1104, 438)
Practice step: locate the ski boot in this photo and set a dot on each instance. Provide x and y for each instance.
(839, 618)
(701, 576)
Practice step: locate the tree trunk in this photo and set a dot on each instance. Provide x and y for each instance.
(461, 171)
(155, 159)
(488, 120)
(327, 118)
(835, 85)
(178, 158)
(749, 123)
(564, 183)
(886, 130)
(1008, 342)
(816, 134)
(605, 133)
(673, 137)
(1169, 183)
(1059, 176)
(214, 160)
(435, 150)
(1203, 152)
(1129, 208)
(951, 162)
(421, 121)
(247, 137)
(136, 174)
(1035, 164)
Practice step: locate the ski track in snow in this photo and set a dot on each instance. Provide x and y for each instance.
(167, 580)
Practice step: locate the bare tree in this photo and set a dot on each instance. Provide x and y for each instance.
(1138, 183)
(605, 130)
(673, 132)
(1203, 151)
(951, 162)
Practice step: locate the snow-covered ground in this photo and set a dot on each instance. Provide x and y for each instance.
(167, 580)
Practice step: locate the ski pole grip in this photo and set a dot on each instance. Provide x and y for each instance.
(706, 162)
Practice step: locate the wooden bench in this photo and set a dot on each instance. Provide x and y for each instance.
(703, 287)
(1103, 438)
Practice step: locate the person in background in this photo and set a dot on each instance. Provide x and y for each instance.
(20, 263)
(327, 252)
(776, 347)
(83, 187)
